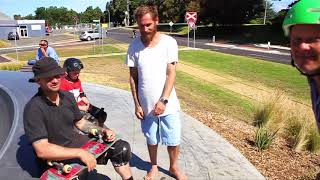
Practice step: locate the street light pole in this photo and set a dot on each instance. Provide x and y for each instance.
(108, 18)
(128, 15)
(265, 13)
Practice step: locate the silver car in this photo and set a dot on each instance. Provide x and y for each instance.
(90, 35)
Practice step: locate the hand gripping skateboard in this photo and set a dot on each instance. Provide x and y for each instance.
(59, 171)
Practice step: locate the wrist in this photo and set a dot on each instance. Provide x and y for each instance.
(164, 100)
(79, 152)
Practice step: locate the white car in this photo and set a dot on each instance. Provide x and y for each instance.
(90, 35)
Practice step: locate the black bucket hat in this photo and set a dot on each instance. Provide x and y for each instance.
(46, 67)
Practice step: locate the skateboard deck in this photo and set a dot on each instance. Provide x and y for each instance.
(95, 146)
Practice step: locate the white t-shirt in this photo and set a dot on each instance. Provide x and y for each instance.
(152, 67)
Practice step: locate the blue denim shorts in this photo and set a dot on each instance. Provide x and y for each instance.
(165, 128)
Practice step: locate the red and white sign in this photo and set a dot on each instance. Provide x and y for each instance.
(192, 25)
(191, 16)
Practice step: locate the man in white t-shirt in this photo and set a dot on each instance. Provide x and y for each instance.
(152, 60)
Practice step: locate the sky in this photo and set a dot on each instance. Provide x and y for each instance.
(278, 5)
(26, 7)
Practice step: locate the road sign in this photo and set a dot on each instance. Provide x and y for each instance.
(191, 16)
(170, 23)
(192, 25)
(96, 20)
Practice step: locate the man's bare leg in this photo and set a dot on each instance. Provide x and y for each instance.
(153, 150)
(173, 155)
(124, 171)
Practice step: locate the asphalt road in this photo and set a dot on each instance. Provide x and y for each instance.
(123, 35)
(278, 55)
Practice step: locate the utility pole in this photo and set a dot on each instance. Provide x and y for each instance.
(128, 15)
(265, 13)
(108, 18)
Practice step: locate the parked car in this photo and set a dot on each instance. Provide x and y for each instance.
(90, 35)
(11, 36)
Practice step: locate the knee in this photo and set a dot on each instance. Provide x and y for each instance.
(120, 154)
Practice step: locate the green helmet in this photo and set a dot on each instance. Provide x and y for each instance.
(303, 12)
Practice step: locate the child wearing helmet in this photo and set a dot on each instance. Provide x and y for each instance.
(72, 83)
(302, 25)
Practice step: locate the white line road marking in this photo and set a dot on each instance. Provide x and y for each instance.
(258, 55)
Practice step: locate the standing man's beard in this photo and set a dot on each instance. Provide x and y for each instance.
(150, 36)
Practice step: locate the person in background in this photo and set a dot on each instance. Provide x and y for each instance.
(46, 51)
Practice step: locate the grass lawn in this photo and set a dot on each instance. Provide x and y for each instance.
(275, 75)
(4, 43)
(71, 51)
(210, 97)
(112, 71)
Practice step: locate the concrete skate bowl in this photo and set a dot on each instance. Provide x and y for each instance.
(17, 160)
(6, 118)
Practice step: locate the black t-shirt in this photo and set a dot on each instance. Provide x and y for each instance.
(44, 120)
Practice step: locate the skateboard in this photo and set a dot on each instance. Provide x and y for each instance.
(96, 146)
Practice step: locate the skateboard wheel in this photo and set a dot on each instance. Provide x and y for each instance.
(94, 131)
(50, 163)
(67, 168)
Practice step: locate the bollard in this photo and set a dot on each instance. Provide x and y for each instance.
(268, 45)
(213, 39)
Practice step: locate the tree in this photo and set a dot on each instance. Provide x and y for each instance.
(90, 14)
(230, 11)
(117, 9)
(17, 17)
(29, 17)
(259, 18)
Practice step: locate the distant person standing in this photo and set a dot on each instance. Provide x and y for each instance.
(152, 60)
(46, 51)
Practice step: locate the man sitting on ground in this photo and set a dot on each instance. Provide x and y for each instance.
(49, 120)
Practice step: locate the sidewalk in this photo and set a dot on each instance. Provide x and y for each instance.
(253, 47)
(204, 153)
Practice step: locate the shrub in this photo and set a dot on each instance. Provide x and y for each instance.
(262, 115)
(264, 138)
(11, 66)
(299, 132)
(314, 140)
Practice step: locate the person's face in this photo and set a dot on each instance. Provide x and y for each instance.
(50, 84)
(147, 26)
(74, 75)
(305, 47)
(43, 44)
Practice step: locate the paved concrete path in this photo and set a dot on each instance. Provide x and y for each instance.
(204, 154)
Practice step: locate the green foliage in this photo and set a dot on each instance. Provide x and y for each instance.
(213, 96)
(11, 66)
(264, 138)
(4, 44)
(301, 134)
(314, 140)
(90, 14)
(275, 75)
(230, 11)
(263, 114)
(256, 21)
(55, 16)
